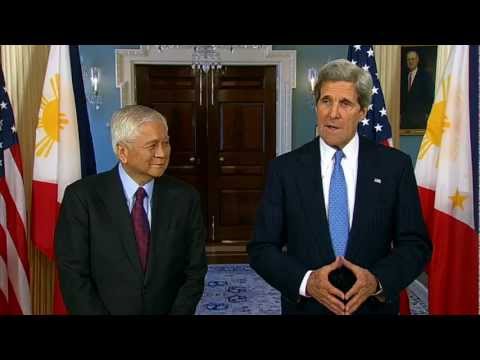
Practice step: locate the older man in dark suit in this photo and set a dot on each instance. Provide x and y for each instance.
(417, 94)
(132, 240)
(339, 229)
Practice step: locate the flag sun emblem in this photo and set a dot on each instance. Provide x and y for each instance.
(51, 120)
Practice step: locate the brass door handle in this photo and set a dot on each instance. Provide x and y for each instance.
(221, 159)
(192, 159)
(201, 91)
(212, 89)
(213, 228)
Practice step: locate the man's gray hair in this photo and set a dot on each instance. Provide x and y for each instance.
(125, 123)
(344, 70)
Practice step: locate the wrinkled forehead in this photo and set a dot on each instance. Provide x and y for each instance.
(152, 129)
(339, 89)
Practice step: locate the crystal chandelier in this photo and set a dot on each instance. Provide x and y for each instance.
(206, 57)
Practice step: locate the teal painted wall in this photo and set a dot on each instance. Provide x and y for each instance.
(411, 145)
(303, 115)
(102, 56)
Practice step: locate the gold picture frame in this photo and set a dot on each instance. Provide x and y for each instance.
(416, 132)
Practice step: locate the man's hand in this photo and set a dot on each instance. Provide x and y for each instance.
(320, 288)
(364, 287)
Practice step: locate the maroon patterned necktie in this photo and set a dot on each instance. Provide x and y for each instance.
(141, 226)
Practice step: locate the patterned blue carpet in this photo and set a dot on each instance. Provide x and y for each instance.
(236, 289)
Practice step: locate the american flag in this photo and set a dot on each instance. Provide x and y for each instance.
(14, 267)
(375, 126)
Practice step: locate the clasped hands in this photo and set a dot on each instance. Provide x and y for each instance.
(320, 288)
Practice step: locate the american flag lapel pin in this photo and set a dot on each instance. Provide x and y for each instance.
(377, 180)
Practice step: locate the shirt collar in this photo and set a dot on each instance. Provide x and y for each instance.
(350, 150)
(130, 186)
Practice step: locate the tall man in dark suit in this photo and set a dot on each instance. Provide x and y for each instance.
(417, 94)
(132, 240)
(339, 228)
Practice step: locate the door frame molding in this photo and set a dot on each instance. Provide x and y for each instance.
(284, 60)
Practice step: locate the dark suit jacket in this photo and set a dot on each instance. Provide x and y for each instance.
(416, 104)
(98, 262)
(292, 213)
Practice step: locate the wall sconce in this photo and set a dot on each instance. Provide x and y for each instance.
(94, 96)
(312, 77)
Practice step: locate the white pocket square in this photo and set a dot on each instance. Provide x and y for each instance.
(377, 180)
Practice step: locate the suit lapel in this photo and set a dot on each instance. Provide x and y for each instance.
(114, 200)
(161, 217)
(363, 191)
(311, 189)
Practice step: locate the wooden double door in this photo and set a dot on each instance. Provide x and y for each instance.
(222, 132)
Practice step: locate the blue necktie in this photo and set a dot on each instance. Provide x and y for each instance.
(338, 207)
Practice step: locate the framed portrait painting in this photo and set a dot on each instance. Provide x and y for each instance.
(417, 90)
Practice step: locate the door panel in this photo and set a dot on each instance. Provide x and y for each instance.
(241, 142)
(236, 206)
(242, 127)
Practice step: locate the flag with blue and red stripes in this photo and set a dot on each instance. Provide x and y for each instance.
(375, 126)
(14, 267)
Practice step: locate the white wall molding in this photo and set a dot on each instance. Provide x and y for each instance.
(284, 60)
